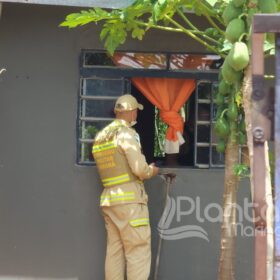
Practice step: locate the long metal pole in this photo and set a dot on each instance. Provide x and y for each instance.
(277, 163)
(169, 178)
(259, 127)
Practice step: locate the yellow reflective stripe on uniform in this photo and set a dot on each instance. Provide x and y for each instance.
(139, 222)
(115, 180)
(103, 147)
(117, 197)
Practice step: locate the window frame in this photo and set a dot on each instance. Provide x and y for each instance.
(116, 72)
(211, 122)
(81, 118)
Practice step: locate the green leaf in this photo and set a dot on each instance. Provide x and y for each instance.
(138, 33)
(111, 44)
(115, 33)
(101, 12)
(226, 46)
(84, 17)
(238, 99)
(271, 51)
(103, 33)
(212, 2)
(241, 170)
(159, 9)
(201, 8)
(268, 46)
(130, 25)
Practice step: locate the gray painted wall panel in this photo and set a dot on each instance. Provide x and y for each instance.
(51, 226)
(195, 258)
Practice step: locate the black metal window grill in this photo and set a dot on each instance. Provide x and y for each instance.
(205, 154)
(96, 100)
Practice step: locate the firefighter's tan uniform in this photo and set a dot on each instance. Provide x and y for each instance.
(122, 168)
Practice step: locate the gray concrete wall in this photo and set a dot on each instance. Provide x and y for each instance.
(198, 196)
(50, 223)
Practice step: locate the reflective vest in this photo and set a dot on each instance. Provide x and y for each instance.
(112, 165)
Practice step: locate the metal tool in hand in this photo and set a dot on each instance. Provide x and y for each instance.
(169, 178)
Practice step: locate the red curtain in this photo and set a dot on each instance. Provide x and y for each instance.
(169, 95)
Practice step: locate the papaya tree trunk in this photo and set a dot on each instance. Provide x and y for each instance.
(228, 233)
(247, 105)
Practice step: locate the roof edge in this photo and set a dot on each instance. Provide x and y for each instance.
(110, 4)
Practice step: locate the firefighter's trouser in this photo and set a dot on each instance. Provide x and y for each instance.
(128, 242)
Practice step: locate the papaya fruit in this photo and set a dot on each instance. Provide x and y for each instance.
(232, 111)
(235, 29)
(251, 13)
(220, 76)
(238, 3)
(224, 88)
(238, 57)
(219, 100)
(222, 127)
(267, 6)
(219, 112)
(231, 12)
(229, 74)
(209, 31)
(212, 32)
(221, 146)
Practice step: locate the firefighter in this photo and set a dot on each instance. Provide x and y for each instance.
(122, 168)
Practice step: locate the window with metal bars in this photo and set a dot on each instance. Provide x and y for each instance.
(104, 78)
(96, 103)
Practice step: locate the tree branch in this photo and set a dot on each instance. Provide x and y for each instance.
(165, 28)
(181, 14)
(197, 31)
(179, 30)
(210, 13)
(192, 35)
(214, 24)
